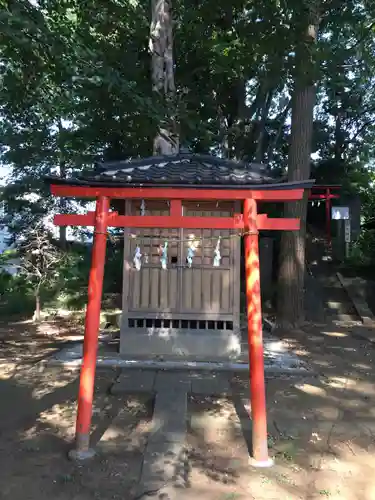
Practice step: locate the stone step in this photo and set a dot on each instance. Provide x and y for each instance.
(165, 458)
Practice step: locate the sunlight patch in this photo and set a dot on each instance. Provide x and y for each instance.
(340, 382)
(312, 389)
(335, 334)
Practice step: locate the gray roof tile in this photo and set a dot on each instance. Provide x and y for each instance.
(181, 170)
(184, 169)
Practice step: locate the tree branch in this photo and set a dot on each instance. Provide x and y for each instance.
(281, 119)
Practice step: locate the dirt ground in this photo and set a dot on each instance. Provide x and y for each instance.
(321, 427)
(37, 420)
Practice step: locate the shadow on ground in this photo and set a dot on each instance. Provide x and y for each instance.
(37, 422)
(321, 429)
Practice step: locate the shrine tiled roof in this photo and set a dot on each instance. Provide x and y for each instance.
(182, 169)
(186, 169)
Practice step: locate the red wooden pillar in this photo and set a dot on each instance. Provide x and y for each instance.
(328, 217)
(92, 324)
(255, 338)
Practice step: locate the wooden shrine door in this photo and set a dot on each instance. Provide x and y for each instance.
(206, 290)
(153, 289)
(199, 292)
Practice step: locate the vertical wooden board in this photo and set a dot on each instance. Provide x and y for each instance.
(235, 280)
(206, 245)
(210, 252)
(200, 250)
(173, 281)
(145, 288)
(135, 290)
(125, 287)
(216, 290)
(154, 287)
(179, 297)
(146, 247)
(225, 246)
(151, 239)
(126, 277)
(225, 289)
(173, 249)
(206, 289)
(215, 233)
(187, 287)
(196, 289)
(164, 277)
(126, 272)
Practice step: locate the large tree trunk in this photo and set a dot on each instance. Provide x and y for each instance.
(63, 207)
(260, 139)
(63, 174)
(292, 254)
(38, 307)
(290, 307)
(339, 136)
(281, 119)
(166, 141)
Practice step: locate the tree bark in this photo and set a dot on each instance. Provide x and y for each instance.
(290, 307)
(62, 168)
(166, 141)
(38, 308)
(339, 136)
(63, 206)
(223, 134)
(260, 146)
(281, 120)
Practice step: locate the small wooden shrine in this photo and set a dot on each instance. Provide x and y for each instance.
(181, 285)
(183, 217)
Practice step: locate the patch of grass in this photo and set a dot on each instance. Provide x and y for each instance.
(270, 441)
(284, 479)
(231, 496)
(286, 450)
(266, 480)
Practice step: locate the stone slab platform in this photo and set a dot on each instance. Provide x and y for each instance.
(214, 384)
(150, 381)
(353, 287)
(165, 468)
(165, 459)
(134, 382)
(121, 436)
(278, 358)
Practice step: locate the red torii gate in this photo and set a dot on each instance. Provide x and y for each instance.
(250, 222)
(323, 193)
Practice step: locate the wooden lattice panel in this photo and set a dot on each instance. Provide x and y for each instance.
(149, 241)
(201, 289)
(151, 207)
(208, 238)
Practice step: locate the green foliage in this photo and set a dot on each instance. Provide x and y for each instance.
(16, 295)
(75, 80)
(38, 261)
(64, 287)
(362, 252)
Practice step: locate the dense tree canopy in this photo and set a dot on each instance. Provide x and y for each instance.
(76, 85)
(76, 78)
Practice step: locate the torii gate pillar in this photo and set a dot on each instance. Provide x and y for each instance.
(82, 448)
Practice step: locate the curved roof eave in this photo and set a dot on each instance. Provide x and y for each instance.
(307, 184)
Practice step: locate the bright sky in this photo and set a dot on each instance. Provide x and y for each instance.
(4, 172)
